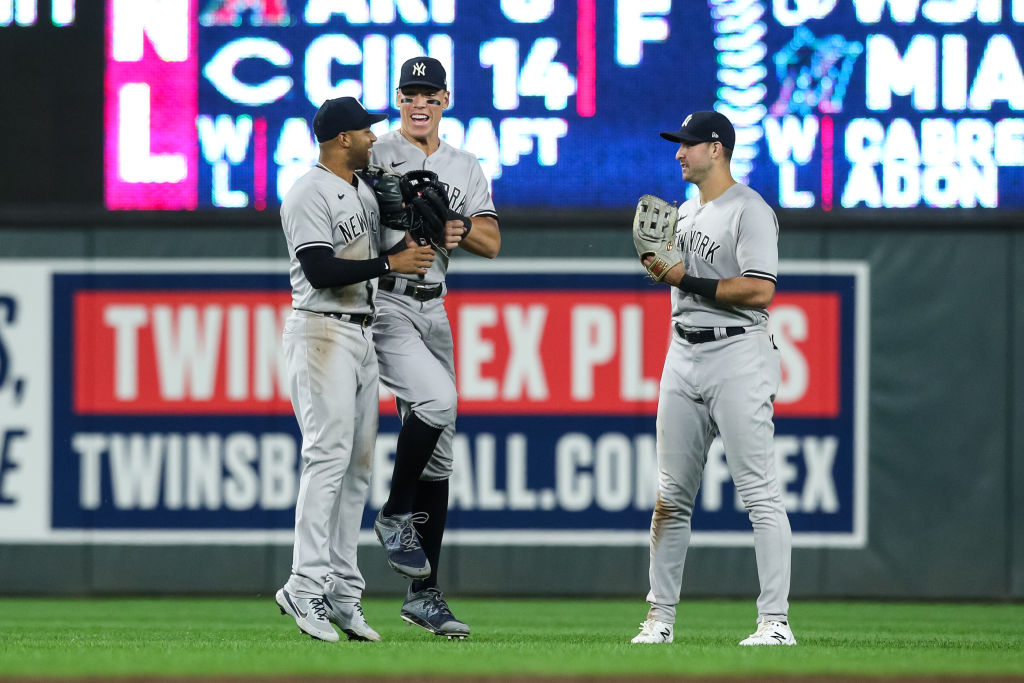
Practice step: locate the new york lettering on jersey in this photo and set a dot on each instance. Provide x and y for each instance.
(356, 218)
(698, 244)
(352, 228)
(355, 226)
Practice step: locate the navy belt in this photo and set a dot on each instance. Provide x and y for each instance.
(418, 292)
(701, 336)
(361, 319)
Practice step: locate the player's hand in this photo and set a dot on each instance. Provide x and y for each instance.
(454, 231)
(413, 261)
(674, 274)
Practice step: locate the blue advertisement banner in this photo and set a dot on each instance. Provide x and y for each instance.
(171, 419)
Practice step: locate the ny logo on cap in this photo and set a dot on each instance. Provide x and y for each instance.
(419, 69)
(686, 121)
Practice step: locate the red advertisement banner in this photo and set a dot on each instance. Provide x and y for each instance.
(517, 352)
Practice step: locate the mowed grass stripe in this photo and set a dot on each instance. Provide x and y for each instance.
(238, 636)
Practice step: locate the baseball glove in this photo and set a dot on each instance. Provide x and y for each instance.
(426, 207)
(654, 228)
(387, 187)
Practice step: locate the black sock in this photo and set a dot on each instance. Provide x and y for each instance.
(416, 442)
(432, 498)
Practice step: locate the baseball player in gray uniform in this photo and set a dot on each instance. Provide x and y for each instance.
(721, 374)
(414, 345)
(332, 227)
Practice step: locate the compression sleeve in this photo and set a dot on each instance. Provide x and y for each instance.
(323, 269)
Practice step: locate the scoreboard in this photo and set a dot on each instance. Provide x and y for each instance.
(837, 104)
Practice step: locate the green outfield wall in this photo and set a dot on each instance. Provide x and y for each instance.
(945, 426)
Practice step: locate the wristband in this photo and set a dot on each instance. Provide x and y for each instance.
(466, 222)
(704, 286)
(387, 263)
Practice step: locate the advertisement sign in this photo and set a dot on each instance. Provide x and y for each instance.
(148, 404)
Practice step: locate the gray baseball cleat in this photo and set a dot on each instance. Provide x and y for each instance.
(310, 615)
(427, 608)
(398, 535)
(348, 616)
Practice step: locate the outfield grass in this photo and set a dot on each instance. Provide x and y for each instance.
(169, 636)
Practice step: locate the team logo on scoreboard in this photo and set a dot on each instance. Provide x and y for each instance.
(814, 73)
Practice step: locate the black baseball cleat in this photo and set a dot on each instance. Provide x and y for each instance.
(428, 609)
(398, 535)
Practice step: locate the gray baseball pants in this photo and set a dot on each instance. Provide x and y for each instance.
(334, 391)
(724, 386)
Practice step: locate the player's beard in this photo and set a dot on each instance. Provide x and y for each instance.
(696, 173)
(361, 157)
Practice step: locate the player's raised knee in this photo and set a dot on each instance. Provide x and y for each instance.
(438, 411)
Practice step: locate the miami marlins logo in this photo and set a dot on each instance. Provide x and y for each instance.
(419, 69)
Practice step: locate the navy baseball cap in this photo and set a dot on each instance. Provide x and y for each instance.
(342, 114)
(704, 126)
(423, 71)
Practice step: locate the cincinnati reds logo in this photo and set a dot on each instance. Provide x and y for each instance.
(419, 69)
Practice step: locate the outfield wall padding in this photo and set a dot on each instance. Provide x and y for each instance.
(946, 435)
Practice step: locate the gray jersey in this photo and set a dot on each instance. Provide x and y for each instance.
(323, 210)
(460, 171)
(720, 387)
(736, 234)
